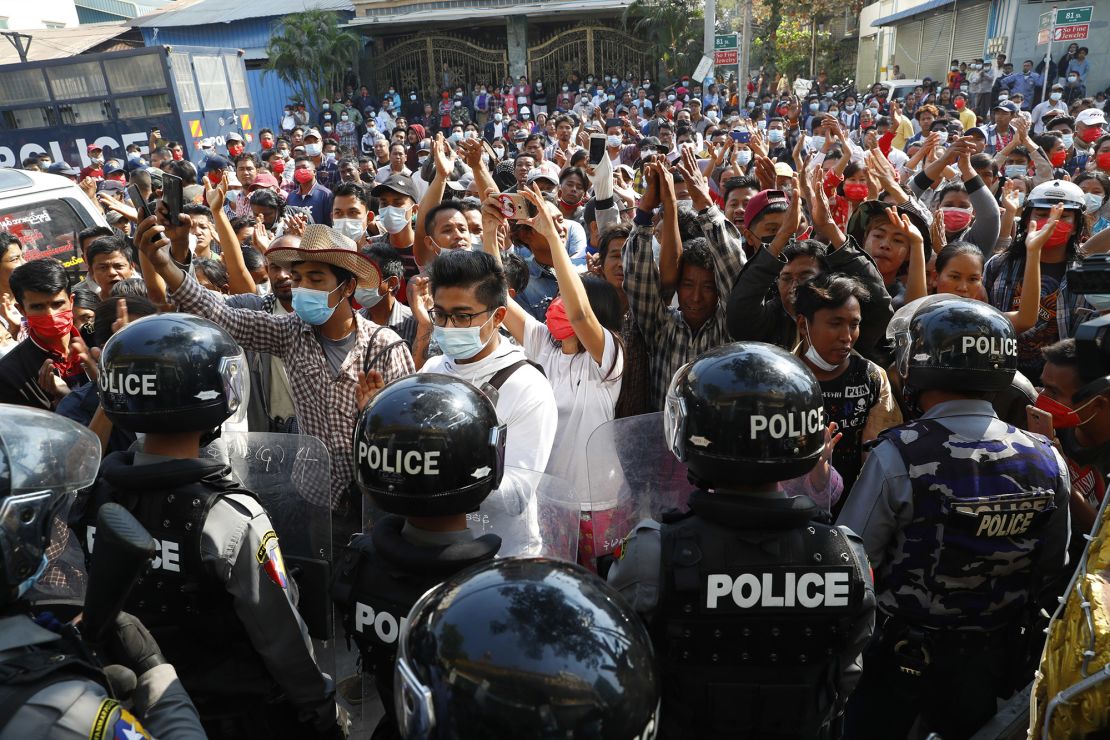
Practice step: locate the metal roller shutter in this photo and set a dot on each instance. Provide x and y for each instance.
(867, 65)
(936, 40)
(907, 48)
(971, 32)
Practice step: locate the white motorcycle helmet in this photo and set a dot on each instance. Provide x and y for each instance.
(1053, 192)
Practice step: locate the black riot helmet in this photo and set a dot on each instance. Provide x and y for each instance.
(429, 445)
(173, 373)
(43, 459)
(746, 413)
(525, 647)
(956, 344)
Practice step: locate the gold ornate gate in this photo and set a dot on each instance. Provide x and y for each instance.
(589, 49)
(417, 63)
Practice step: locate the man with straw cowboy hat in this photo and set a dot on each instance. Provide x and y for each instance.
(334, 357)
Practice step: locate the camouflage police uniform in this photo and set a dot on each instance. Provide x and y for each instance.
(965, 521)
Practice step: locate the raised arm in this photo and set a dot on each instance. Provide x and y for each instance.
(1030, 304)
(444, 157)
(590, 332)
(670, 241)
(238, 277)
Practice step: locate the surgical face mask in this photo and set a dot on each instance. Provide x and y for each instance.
(817, 141)
(813, 356)
(943, 136)
(1055, 96)
(497, 117)
(263, 289)
(393, 218)
(456, 137)
(744, 157)
(1020, 199)
(751, 105)
(312, 305)
(1015, 170)
(1068, 139)
(344, 117)
(329, 157)
(314, 149)
(350, 227)
(613, 141)
(421, 159)
(850, 107)
(326, 106)
(499, 152)
(814, 107)
(1003, 98)
(766, 106)
(412, 97)
(368, 297)
(775, 136)
(461, 343)
(685, 203)
(1073, 78)
(1094, 202)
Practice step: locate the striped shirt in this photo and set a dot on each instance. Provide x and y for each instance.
(325, 404)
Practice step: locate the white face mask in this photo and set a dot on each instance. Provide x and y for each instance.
(368, 297)
(499, 152)
(1094, 202)
(813, 356)
(743, 157)
(1055, 96)
(350, 227)
(263, 288)
(313, 150)
(393, 218)
(497, 117)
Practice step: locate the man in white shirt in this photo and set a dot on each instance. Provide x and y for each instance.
(396, 164)
(461, 304)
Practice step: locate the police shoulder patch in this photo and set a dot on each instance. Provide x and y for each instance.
(269, 557)
(113, 722)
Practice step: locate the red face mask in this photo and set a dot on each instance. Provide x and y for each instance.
(277, 166)
(178, 156)
(960, 104)
(52, 326)
(1058, 237)
(215, 176)
(557, 322)
(1063, 417)
(955, 219)
(1103, 161)
(304, 175)
(1090, 135)
(267, 144)
(235, 150)
(855, 191)
(1058, 158)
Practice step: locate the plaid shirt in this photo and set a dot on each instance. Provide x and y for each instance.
(325, 405)
(670, 341)
(1002, 276)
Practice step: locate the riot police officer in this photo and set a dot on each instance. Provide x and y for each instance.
(965, 521)
(525, 648)
(428, 450)
(218, 597)
(758, 612)
(50, 685)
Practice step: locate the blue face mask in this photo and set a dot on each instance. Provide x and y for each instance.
(312, 305)
(26, 585)
(461, 343)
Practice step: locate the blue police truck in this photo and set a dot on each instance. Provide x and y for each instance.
(63, 106)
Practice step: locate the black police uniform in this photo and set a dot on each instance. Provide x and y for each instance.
(759, 612)
(428, 445)
(218, 597)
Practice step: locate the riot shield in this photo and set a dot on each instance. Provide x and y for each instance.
(61, 587)
(534, 514)
(633, 475)
(290, 475)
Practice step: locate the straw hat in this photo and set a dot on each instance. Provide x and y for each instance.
(321, 243)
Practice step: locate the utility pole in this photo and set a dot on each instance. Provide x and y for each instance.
(710, 27)
(745, 51)
(17, 41)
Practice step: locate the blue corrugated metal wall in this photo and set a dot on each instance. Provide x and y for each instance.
(268, 93)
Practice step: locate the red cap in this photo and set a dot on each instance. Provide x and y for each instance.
(94, 148)
(761, 200)
(264, 180)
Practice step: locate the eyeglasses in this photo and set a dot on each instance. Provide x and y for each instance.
(459, 319)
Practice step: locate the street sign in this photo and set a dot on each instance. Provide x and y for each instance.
(725, 41)
(704, 68)
(1074, 16)
(728, 56)
(1076, 32)
(1044, 32)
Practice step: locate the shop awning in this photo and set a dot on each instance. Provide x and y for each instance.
(901, 15)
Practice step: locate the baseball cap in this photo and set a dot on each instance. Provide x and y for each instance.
(1008, 105)
(402, 184)
(760, 201)
(313, 132)
(94, 148)
(112, 168)
(233, 137)
(541, 174)
(216, 163)
(63, 168)
(263, 180)
(1091, 117)
(782, 169)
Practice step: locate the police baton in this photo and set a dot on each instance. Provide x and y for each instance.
(123, 551)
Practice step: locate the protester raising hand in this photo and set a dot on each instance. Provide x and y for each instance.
(917, 282)
(791, 222)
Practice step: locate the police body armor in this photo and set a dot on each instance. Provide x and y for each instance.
(757, 603)
(969, 555)
(190, 614)
(378, 578)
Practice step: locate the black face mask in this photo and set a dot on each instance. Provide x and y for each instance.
(366, 177)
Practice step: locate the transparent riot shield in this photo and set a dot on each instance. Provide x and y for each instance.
(61, 587)
(633, 475)
(534, 514)
(290, 475)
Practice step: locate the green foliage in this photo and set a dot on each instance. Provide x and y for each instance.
(310, 52)
(792, 40)
(673, 27)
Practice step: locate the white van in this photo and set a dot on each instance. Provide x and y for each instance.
(898, 89)
(46, 212)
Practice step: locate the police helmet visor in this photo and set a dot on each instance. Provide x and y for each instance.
(43, 458)
(674, 417)
(237, 387)
(413, 701)
(898, 329)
